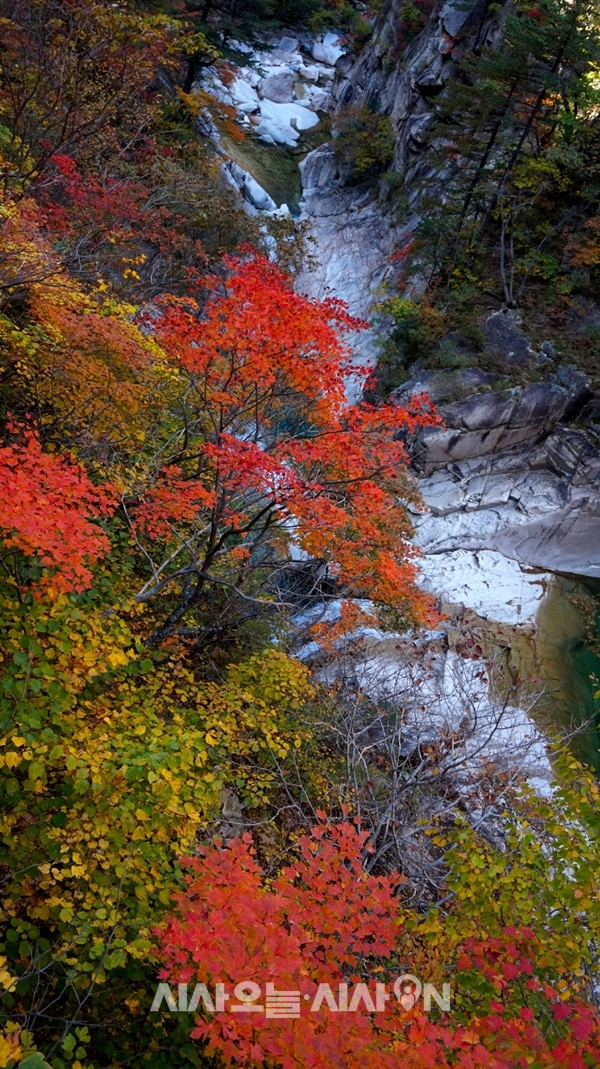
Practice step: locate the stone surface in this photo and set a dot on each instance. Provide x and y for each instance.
(537, 504)
(444, 386)
(249, 188)
(504, 340)
(286, 46)
(458, 15)
(486, 422)
(289, 117)
(328, 50)
(279, 88)
(492, 585)
(352, 243)
(243, 93)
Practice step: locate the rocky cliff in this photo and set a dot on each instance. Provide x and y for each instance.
(511, 484)
(509, 474)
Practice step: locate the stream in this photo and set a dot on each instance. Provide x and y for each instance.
(548, 647)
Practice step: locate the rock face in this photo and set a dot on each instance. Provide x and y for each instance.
(536, 504)
(506, 475)
(495, 420)
(352, 232)
(353, 243)
(481, 417)
(504, 340)
(457, 17)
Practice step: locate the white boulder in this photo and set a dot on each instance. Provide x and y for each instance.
(243, 93)
(328, 50)
(283, 114)
(310, 73)
(278, 88)
(257, 195)
(268, 128)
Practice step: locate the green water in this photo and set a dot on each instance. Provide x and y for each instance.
(553, 663)
(568, 667)
(276, 168)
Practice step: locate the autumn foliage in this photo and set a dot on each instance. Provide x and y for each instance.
(184, 486)
(270, 452)
(47, 510)
(324, 920)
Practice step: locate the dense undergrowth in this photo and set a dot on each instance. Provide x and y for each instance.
(173, 422)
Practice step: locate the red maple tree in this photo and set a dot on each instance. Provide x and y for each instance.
(266, 452)
(324, 920)
(47, 508)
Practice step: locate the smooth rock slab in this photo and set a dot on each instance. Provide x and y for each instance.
(488, 491)
(565, 541)
(489, 583)
(290, 118)
(243, 93)
(442, 494)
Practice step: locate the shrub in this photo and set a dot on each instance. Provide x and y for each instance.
(363, 141)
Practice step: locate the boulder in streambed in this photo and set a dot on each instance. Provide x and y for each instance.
(279, 88)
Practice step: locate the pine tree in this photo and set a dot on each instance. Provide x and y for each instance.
(512, 137)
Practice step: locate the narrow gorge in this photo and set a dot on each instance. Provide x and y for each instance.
(510, 533)
(299, 534)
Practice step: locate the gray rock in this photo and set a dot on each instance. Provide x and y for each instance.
(565, 540)
(481, 411)
(488, 422)
(419, 125)
(488, 491)
(504, 340)
(541, 404)
(570, 453)
(549, 349)
(458, 15)
(279, 88)
(538, 504)
(326, 53)
(270, 129)
(578, 385)
(591, 410)
(318, 170)
(286, 46)
(250, 189)
(443, 386)
(442, 494)
(572, 378)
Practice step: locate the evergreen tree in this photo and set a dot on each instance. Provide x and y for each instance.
(516, 140)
